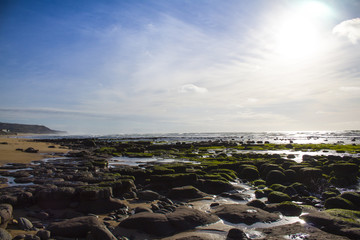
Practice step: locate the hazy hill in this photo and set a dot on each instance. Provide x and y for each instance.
(11, 128)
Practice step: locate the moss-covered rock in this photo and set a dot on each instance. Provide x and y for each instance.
(249, 173)
(328, 194)
(278, 187)
(186, 192)
(259, 182)
(352, 197)
(339, 202)
(278, 197)
(275, 176)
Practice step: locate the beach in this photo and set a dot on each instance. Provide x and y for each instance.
(9, 154)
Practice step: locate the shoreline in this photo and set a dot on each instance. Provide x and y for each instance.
(10, 143)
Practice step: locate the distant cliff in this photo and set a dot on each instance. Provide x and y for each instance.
(13, 128)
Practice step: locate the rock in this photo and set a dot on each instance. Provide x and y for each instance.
(286, 208)
(185, 218)
(31, 150)
(214, 186)
(152, 223)
(337, 221)
(278, 197)
(101, 206)
(275, 176)
(142, 209)
(5, 235)
(237, 234)
(186, 192)
(6, 212)
(339, 202)
(238, 213)
(43, 234)
(352, 197)
(249, 173)
(25, 224)
(256, 203)
(75, 227)
(148, 195)
(100, 233)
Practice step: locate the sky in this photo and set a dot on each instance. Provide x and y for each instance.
(159, 66)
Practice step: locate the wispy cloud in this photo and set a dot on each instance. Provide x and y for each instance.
(350, 29)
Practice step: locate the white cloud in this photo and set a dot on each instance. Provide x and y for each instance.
(350, 89)
(350, 29)
(191, 88)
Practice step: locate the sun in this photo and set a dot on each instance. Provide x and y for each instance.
(298, 33)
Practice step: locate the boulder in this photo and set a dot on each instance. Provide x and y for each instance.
(275, 176)
(148, 195)
(214, 186)
(249, 173)
(238, 213)
(101, 206)
(352, 197)
(6, 214)
(236, 234)
(186, 192)
(286, 208)
(75, 227)
(182, 219)
(5, 235)
(25, 224)
(278, 197)
(100, 233)
(338, 202)
(256, 203)
(152, 223)
(337, 221)
(185, 218)
(43, 234)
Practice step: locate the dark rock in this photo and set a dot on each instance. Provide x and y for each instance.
(75, 227)
(249, 173)
(275, 176)
(256, 203)
(214, 186)
(101, 206)
(31, 150)
(43, 234)
(286, 208)
(238, 213)
(148, 195)
(100, 233)
(142, 209)
(336, 221)
(25, 224)
(352, 197)
(236, 196)
(5, 235)
(237, 234)
(278, 197)
(152, 223)
(185, 218)
(6, 214)
(339, 202)
(186, 192)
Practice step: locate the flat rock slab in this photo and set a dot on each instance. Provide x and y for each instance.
(183, 218)
(239, 213)
(75, 227)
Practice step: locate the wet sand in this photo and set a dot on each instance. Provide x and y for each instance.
(9, 154)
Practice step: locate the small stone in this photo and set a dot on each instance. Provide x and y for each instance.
(43, 234)
(25, 223)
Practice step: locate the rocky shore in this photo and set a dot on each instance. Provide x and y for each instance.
(219, 192)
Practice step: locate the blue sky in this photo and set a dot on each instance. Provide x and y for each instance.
(108, 67)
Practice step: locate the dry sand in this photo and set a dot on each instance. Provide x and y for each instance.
(9, 154)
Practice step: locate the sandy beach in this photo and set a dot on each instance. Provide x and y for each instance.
(9, 154)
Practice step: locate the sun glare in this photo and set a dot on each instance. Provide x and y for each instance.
(298, 33)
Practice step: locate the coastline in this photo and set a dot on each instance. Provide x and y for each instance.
(9, 154)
